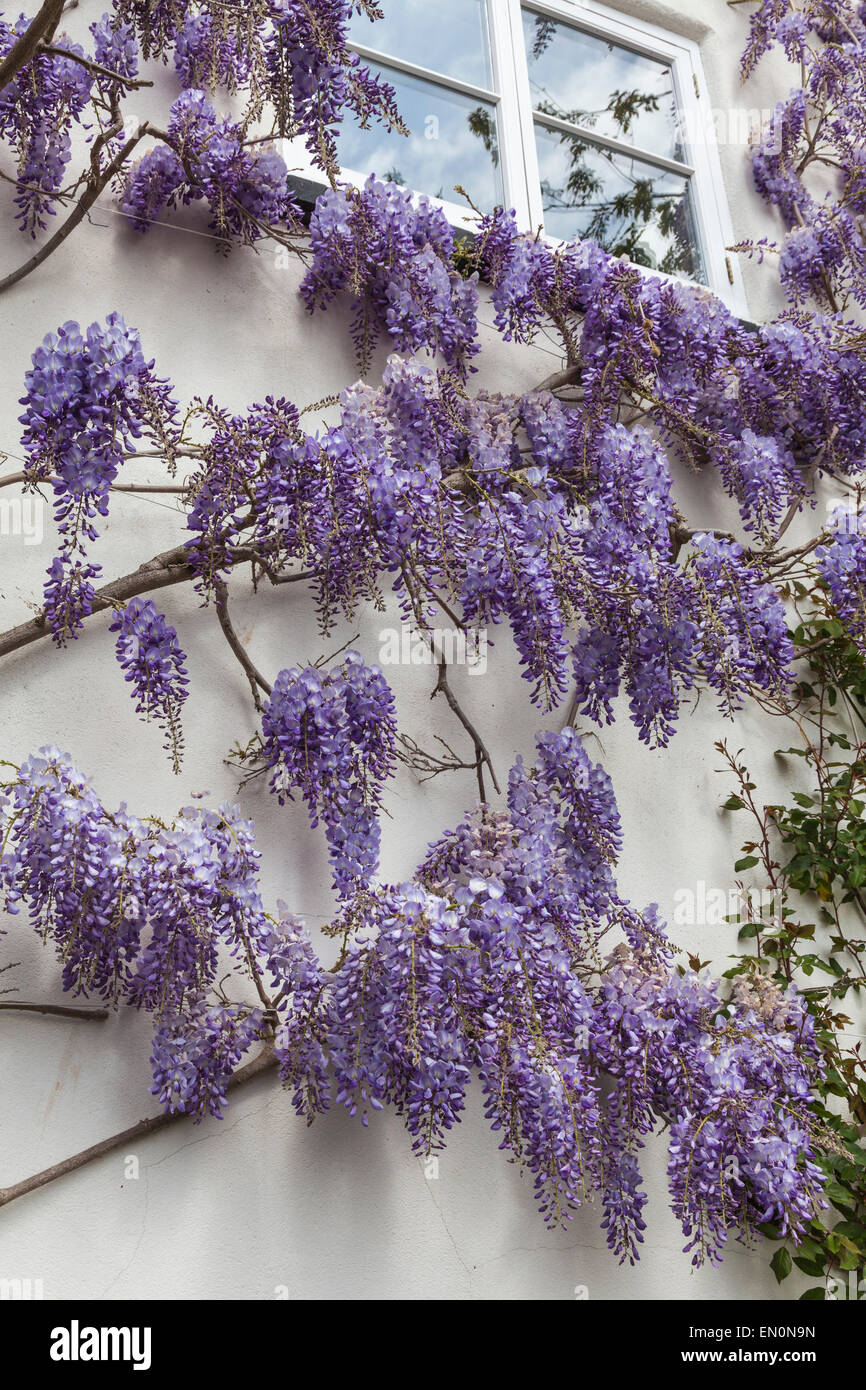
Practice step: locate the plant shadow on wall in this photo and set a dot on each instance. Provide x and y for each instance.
(510, 954)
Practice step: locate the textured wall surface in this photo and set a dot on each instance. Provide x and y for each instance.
(257, 1206)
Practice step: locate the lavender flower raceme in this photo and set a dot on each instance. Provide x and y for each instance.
(88, 395)
(332, 737)
(209, 158)
(152, 661)
(195, 1053)
(393, 255)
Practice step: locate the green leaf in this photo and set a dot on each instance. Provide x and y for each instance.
(836, 1192)
(810, 1249)
(780, 1264)
(812, 1296)
(769, 1229)
(748, 863)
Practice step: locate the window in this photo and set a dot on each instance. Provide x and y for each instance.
(585, 121)
(450, 103)
(609, 146)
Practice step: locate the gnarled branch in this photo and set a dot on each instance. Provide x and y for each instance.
(55, 1010)
(253, 675)
(40, 28)
(481, 754)
(96, 183)
(171, 567)
(96, 68)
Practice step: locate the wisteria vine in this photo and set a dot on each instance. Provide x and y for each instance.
(489, 961)
(509, 956)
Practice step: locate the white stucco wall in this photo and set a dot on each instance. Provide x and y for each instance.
(258, 1204)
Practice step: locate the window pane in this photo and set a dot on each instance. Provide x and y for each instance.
(453, 140)
(631, 208)
(591, 82)
(447, 36)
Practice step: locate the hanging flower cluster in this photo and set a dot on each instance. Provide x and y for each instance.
(195, 1053)
(291, 56)
(392, 254)
(38, 109)
(88, 396)
(332, 736)
(531, 538)
(842, 567)
(68, 596)
(245, 187)
(571, 536)
(819, 129)
(509, 956)
(152, 661)
(135, 909)
(288, 64)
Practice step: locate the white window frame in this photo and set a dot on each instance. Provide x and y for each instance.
(518, 163)
(712, 217)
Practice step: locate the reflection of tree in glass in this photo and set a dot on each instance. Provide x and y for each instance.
(618, 223)
(624, 107)
(482, 124)
(544, 32)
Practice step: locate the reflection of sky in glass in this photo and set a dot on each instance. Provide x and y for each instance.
(661, 235)
(446, 145)
(574, 76)
(447, 36)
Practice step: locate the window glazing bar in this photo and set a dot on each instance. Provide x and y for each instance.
(425, 74)
(606, 142)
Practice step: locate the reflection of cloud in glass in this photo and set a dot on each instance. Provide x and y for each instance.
(452, 140)
(628, 206)
(447, 36)
(589, 81)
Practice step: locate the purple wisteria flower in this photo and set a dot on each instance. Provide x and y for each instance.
(89, 395)
(332, 736)
(195, 1053)
(495, 961)
(38, 109)
(842, 567)
(207, 157)
(392, 252)
(152, 661)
